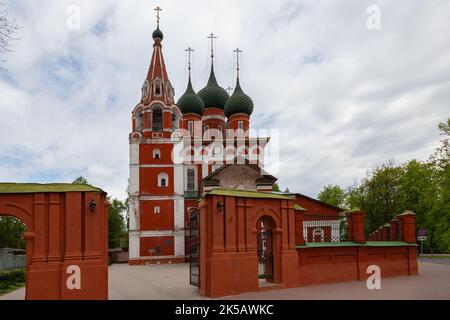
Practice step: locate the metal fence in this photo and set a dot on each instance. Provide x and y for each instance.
(325, 228)
(12, 259)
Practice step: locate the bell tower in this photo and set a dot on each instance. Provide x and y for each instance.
(156, 199)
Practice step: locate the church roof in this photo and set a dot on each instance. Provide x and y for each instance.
(190, 102)
(239, 102)
(213, 95)
(248, 194)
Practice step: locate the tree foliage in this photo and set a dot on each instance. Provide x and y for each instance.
(80, 180)
(334, 195)
(117, 230)
(11, 233)
(420, 186)
(8, 28)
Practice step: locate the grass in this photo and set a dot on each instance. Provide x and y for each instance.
(428, 256)
(11, 280)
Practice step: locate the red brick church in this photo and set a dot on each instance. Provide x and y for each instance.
(199, 193)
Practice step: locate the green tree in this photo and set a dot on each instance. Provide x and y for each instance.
(117, 231)
(276, 188)
(334, 195)
(11, 233)
(80, 180)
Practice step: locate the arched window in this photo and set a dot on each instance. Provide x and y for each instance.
(157, 119)
(157, 88)
(163, 180)
(175, 120)
(138, 119)
(156, 154)
(318, 235)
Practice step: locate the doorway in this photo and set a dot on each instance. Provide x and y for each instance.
(265, 229)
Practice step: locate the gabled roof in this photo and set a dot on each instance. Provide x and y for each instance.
(265, 177)
(300, 195)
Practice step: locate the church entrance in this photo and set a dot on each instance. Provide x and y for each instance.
(194, 246)
(265, 250)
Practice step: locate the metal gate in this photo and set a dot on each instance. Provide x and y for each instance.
(265, 254)
(194, 244)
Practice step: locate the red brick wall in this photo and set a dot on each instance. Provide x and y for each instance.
(166, 243)
(313, 207)
(162, 221)
(339, 264)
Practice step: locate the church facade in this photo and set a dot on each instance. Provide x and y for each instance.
(174, 146)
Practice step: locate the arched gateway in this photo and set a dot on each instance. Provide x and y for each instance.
(66, 238)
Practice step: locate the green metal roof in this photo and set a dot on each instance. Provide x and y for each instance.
(239, 102)
(213, 95)
(298, 208)
(45, 188)
(190, 102)
(248, 194)
(157, 34)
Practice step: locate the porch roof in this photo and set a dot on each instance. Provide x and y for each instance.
(248, 194)
(8, 188)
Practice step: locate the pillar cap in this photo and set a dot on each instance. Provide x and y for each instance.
(407, 213)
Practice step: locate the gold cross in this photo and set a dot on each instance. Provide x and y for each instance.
(189, 51)
(158, 10)
(238, 52)
(212, 37)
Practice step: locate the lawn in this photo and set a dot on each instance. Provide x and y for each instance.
(11, 280)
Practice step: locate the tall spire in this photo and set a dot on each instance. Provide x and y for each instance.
(238, 68)
(189, 51)
(239, 102)
(190, 102)
(157, 85)
(212, 37)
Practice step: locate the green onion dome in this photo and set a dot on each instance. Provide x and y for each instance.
(157, 34)
(212, 95)
(239, 102)
(191, 102)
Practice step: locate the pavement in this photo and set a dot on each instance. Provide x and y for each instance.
(171, 282)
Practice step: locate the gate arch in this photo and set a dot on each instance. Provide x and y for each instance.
(66, 226)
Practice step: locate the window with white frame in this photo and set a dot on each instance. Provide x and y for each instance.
(157, 119)
(191, 127)
(241, 126)
(156, 154)
(190, 179)
(157, 210)
(163, 180)
(206, 132)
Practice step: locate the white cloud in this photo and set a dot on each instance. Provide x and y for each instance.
(345, 98)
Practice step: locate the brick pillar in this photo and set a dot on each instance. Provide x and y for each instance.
(357, 226)
(394, 223)
(408, 223)
(299, 236)
(386, 232)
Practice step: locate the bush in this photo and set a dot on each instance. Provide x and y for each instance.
(11, 280)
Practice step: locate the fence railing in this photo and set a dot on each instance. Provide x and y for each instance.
(325, 228)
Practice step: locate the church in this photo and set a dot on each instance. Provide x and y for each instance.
(198, 193)
(178, 149)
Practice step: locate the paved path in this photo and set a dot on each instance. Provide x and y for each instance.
(172, 282)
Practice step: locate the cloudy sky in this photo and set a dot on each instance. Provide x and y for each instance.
(343, 96)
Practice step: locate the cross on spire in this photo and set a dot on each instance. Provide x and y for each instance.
(189, 51)
(238, 52)
(212, 37)
(158, 10)
(230, 90)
